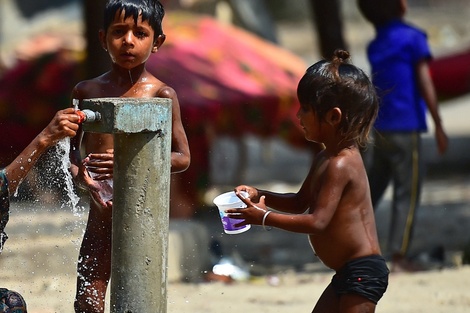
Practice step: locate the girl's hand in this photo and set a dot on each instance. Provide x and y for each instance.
(252, 214)
(63, 124)
(252, 192)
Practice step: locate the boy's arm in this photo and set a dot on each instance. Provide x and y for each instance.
(180, 155)
(429, 94)
(64, 124)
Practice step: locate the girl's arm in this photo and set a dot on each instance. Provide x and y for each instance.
(294, 203)
(331, 182)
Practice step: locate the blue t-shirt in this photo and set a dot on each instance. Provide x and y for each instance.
(393, 56)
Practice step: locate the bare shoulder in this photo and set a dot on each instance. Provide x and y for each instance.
(91, 88)
(345, 165)
(166, 91)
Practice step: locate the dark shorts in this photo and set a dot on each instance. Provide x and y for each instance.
(366, 276)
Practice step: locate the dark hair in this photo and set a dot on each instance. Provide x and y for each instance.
(380, 12)
(337, 83)
(150, 10)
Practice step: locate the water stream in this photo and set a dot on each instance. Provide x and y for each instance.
(62, 153)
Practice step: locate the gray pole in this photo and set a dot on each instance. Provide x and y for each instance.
(142, 160)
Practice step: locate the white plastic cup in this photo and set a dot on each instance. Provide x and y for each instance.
(229, 200)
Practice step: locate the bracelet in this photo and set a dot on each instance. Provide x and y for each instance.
(264, 220)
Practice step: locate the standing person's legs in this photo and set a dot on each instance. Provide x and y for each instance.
(379, 170)
(94, 263)
(408, 176)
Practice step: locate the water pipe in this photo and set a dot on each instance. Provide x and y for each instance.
(88, 116)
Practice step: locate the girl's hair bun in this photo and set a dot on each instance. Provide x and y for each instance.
(342, 56)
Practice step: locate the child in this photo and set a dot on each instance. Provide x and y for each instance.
(399, 57)
(132, 31)
(64, 124)
(333, 206)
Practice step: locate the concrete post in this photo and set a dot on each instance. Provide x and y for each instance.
(142, 160)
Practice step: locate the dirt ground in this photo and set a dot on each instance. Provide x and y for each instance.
(46, 279)
(39, 261)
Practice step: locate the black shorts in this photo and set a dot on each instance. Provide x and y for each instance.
(366, 276)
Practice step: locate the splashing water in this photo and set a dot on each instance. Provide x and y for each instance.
(62, 152)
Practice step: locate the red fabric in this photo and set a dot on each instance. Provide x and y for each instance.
(451, 74)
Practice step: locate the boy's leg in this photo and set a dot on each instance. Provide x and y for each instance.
(377, 163)
(407, 189)
(94, 263)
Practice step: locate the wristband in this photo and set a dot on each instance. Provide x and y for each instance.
(264, 220)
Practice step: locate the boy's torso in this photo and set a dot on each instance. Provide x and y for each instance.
(393, 56)
(106, 86)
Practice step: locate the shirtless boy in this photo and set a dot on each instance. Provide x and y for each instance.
(333, 205)
(132, 32)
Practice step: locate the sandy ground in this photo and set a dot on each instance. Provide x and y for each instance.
(40, 260)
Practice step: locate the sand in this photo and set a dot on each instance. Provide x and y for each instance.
(40, 260)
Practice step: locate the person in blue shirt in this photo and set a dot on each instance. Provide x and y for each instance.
(64, 124)
(399, 56)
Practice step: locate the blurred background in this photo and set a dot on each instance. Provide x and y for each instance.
(236, 87)
(235, 120)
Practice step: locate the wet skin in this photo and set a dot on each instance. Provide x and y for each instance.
(129, 45)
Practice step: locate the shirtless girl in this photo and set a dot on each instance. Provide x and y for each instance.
(333, 205)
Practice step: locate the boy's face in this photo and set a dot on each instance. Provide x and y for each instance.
(129, 44)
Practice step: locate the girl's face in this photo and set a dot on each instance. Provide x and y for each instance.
(129, 44)
(310, 123)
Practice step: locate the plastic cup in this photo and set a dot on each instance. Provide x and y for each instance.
(229, 200)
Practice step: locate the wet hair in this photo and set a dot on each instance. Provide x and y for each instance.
(380, 12)
(150, 10)
(338, 83)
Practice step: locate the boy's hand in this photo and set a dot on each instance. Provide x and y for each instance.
(441, 140)
(95, 187)
(100, 165)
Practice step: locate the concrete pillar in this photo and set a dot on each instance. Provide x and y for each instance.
(142, 160)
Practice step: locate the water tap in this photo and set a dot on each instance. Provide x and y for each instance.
(88, 116)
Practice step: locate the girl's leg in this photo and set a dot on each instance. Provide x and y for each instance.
(353, 303)
(328, 301)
